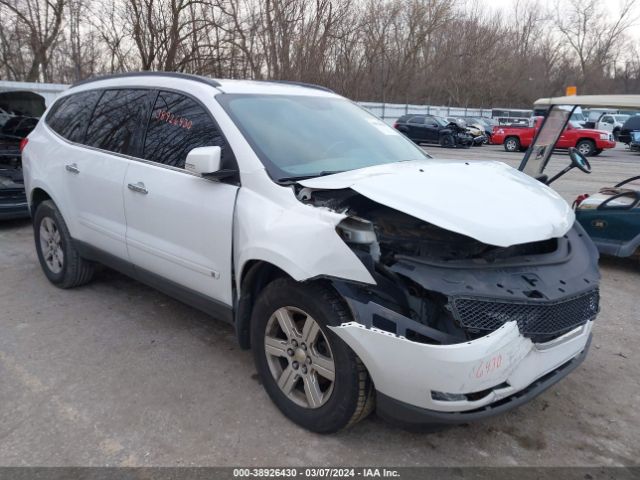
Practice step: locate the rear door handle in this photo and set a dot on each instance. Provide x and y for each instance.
(138, 187)
(73, 168)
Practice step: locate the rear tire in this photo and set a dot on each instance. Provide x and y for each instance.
(304, 362)
(586, 147)
(60, 260)
(512, 144)
(447, 141)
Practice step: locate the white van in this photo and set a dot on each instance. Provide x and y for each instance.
(361, 271)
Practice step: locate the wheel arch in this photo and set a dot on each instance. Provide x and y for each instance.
(586, 139)
(254, 277)
(36, 197)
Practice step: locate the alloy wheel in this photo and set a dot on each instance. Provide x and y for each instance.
(299, 357)
(51, 245)
(584, 149)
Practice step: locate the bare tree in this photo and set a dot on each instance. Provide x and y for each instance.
(42, 22)
(594, 39)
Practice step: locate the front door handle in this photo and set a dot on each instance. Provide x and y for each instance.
(138, 187)
(73, 168)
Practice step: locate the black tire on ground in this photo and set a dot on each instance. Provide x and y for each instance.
(586, 147)
(447, 141)
(352, 397)
(74, 270)
(512, 144)
(597, 152)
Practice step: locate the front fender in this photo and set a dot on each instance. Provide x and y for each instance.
(299, 239)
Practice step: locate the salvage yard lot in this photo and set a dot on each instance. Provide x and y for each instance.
(115, 373)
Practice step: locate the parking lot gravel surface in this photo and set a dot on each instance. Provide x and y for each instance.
(115, 373)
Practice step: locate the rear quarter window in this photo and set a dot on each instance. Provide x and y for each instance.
(70, 115)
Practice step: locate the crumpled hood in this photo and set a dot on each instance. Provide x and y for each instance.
(489, 201)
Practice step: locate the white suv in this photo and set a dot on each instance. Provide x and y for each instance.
(360, 270)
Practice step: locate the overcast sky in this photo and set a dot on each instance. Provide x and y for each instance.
(610, 6)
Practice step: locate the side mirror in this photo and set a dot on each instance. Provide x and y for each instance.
(203, 160)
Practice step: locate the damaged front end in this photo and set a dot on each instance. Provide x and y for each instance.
(454, 324)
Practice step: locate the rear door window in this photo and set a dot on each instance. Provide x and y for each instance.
(178, 124)
(70, 115)
(417, 120)
(117, 122)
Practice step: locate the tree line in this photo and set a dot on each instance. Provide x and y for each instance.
(443, 52)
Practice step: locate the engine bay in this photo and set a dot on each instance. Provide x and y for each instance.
(454, 287)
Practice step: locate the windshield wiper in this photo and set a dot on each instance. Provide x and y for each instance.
(324, 173)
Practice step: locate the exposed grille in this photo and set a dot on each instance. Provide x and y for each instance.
(540, 321)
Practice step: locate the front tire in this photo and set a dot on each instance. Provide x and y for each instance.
(312, 376)
(586, 147)
(447, 141)
(60, 260)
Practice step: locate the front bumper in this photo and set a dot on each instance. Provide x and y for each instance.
(404, 414)
(460, 381)
(464, 140)
(605, 144)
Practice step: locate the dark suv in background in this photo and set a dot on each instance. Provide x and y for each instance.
(631, 125)
(433, 129)
(19, 115)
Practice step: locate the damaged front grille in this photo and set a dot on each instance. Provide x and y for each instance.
(539, 321)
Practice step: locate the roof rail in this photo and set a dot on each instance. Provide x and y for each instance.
(187, 76)
(301, 84)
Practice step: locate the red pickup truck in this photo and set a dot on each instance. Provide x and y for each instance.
(518, 138)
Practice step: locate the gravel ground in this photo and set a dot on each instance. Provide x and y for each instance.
(115, 373)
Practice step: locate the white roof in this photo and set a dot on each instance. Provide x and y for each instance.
(158, 80)
(266, 87)
(608, 101)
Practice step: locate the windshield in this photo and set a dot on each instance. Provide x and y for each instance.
(442, 121)
(305, 136)
(537, 157)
